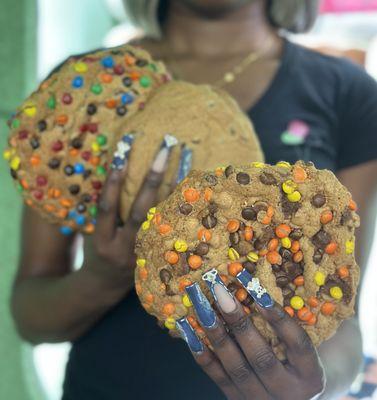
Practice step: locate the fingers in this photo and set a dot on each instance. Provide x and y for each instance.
(146, 197)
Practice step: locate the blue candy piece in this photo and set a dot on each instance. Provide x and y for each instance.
(189, 336)
(108, 62)
(79, 168)
(66, 230)
(78, 82)
(127, 98)
(80, 220)
(72, 214)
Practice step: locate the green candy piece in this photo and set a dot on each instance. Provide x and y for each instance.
(20, 188)
(93, 211)
(291, 140)
(101, 170)
(152, 67)
(16, 123)
(101, 140)
(96, 89)
(51, 102)
(145, 81)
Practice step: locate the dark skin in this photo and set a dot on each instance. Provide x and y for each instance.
(51, 303)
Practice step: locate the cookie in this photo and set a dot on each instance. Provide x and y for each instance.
(282, 232)
(63, 136)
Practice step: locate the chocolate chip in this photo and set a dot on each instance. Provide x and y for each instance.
(259, 244)
(211, 179)
(141, 62)
(185, 208)
(69, 170)
(127, 81)
(212, 208)
(76, 143)
(169, 291)
(243, 247)
(250, 266)
(13, 174)
(345, 217)
(91, 109)
(321, 239)
(285, 254)
(267, 179)
(42, 125)
(296, 234)
(291, 269)
(86, 198)
(34, 143)
(121, 111)
(209, 221)
(243, 178)
(282, 279)
(317, 256)
(74, 189)
(249, 214)
(202, 249)
(54, 163)
(183, 268)
(318, 200)
(81, 208)
(287, 292)
(288, 207)
(259, 207)
(234, 238)
(275, 267)
(87, 173)
(229, 170)
(165, 275)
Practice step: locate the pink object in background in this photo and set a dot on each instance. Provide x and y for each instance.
(340, 6)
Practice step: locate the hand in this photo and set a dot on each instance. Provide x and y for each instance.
(113, 240)
(243, 365)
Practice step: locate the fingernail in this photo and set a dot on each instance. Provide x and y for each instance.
(122, 153)
(189, 336)
(185, 163)
(255, 289)
(204, 311)
(219, 291)
(161, 161)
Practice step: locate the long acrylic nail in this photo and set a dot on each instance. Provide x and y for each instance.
(219, 291)
(255, 289)
(161, 161)
(189, 336)
(122, 153)
(204, 311)
(185, 163)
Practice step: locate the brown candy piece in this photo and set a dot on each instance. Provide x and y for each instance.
(267, 178)
(249, 214)
(185, 208)
(209, 221)
(321, 239)
(229, 170)
(318, 200)
(202, 249)
(243, 178)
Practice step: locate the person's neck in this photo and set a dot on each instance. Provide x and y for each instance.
(244, 30)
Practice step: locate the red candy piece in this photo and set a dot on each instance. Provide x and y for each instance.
(23, 134)
(86, 155)
(38, 194)
(97, 185)
(84, 128)
(57, 146)
(92, 127)
(67, 98)
(119, 70)
(41, 181)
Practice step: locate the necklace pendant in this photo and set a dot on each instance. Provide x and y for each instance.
(229, 77)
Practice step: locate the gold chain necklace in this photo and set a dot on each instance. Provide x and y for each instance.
(229, 76)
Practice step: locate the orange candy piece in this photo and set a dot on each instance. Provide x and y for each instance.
(61, 119)
(304, 314)
(266, 220)
(352, 205)
(66, 203)
(195, 261)
(299, 281)
(204, 235)
(168, 309)
(312, 320)
(191, 195)
(282, 231)
(157, 219)
(343, 272)
(183, 283)
(49, 208)
(248, 233)
(313, 302)
(241, 294)
(106, 78)
(149, 298)
(298, 256)
(62, 213)
(326, 217)
(208, 194)
(171, 257)
(138, 288)
(327, 308)
(270, 211)
(193, 322)
(289, 311)
(331, 248)
(164, 229)
(299, 174)
(225, 279)
(273, 257)
(233, 225)
(295, 246)
(234, 268)
(143, 273)
(273, 244)
(111, 103)
(35, 160)
(24, 184)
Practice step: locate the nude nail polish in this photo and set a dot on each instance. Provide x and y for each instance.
(161, 161)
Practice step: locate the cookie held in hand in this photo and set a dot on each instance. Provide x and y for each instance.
(281, 233)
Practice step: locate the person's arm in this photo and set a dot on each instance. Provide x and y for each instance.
(50, 302)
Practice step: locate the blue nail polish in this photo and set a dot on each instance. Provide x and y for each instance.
(204, 311)
(122, 152)
(212, 278)
(185, 163)
(189, 336)
(255, 289)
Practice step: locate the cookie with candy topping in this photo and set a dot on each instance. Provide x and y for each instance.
(63, 136)
(281, 233)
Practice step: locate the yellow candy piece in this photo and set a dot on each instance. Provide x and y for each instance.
(180, 246)
(30, 110)
(319, 278)
(96, 147)
(140, 262)
(145, 225)
(289, 186)
(283, 164)
(336, 292)
(186, 301)
(7, 154)
(253, 257)
(80, 67)
(286, 242)
(15, 163)
(350, 246)
(170, 323)
(257, 164)
(297, 302)
(294, 197)
(151, 213)
(233, 254)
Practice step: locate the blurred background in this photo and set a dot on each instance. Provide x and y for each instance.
(35, 35)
